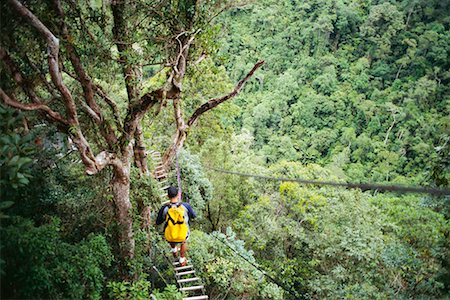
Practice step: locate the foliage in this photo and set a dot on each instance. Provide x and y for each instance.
(129, 290)
(333, 236)
(352, 91)
(41, 264)
(224, 272)
(16, 148)
(170, 292)
(143, 191)
(353, 65)
(196, 188)
(417, 243)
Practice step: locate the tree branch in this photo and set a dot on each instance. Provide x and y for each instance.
(50, 89)
(120, 32)
(210, 104)
(111, 103)
(18, 76)
(10, 101)
(200, 59)
(84, 79)
(181, 126)
(53, 51)
(92, 108)
(181, 133)
(140, 157)
(74, 129)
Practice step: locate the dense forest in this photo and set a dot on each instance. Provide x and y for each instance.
(343, 91)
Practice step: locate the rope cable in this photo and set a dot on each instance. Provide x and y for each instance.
(362, 186)
(178, 176)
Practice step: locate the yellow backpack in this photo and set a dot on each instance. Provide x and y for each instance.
(176, 228)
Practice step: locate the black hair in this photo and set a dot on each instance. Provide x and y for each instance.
(172, 192)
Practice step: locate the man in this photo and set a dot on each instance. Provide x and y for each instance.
(176, 214)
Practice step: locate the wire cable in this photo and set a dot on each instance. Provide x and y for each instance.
(362, 186)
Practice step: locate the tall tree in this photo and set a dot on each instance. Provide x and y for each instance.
(86, 44)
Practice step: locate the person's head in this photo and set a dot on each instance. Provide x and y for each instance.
(172, 192)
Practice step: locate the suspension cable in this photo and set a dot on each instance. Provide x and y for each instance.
(362, 186)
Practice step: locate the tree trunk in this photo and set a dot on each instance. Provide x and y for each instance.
(121, 192)
(140, 158)
(178, 142)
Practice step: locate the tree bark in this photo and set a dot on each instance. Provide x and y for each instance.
(140, 158)
(121, 194)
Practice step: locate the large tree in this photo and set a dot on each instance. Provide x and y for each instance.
(61, 60)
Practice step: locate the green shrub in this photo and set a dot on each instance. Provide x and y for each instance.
(40, 265)
(140, 290)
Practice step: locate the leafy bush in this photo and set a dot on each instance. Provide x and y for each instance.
(129, 290)
(16, 147)
(140, 290)
(40, 265)
(170, 293)
(224, 272)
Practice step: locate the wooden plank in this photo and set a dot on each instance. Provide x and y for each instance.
(183, 268)
(185, 273)
(188, 280)
(192, 288)
(175, 263)
(202, 297)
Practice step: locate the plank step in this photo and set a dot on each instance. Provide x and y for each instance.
(183, 268)
(188, 280)
(192, 288)
(165, 187)
(175, 263)
(185, 273)
(202, 297)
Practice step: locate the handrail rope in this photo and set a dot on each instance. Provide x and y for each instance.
(160, 275)
(362, 186)
(155, 242)
(178, 177)
(264, 272)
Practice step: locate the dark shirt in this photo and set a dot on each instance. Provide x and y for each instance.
(189, 213)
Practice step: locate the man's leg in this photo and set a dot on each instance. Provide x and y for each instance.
(183, 253)
(174, 249)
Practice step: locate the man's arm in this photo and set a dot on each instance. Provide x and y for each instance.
(191, 212)
(161, 218)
